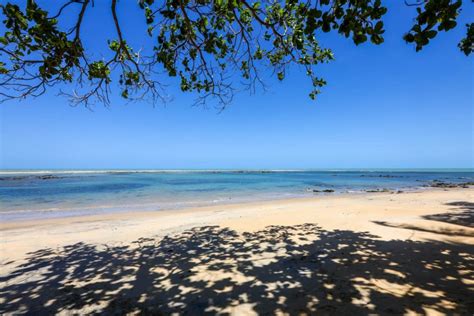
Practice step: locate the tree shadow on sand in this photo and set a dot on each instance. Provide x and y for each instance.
(462, 215)
(211, 270)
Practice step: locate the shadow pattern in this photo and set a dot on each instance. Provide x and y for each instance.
(463, 214)
(448, 231)
(299, 269)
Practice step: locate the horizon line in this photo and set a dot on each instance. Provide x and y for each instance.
(171, 170)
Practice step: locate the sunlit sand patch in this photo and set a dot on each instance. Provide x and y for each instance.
(185, 290)
(367, 287)
(202, 273)
(246, 309)
(401, 290)
(394, 272)
(237, 307)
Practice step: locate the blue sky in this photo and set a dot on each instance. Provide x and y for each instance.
(384, 107)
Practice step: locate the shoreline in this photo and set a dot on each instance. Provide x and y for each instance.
(374, 253)
(6, 225)
(349, 211)
(33, 197)
(152, 207)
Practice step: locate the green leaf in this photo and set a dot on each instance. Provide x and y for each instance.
(378, 27)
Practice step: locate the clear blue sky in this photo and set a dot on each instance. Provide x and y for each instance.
(384, 106)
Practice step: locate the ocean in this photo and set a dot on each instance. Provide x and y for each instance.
(34, 194)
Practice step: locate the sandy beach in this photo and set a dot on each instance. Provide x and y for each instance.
(383, 253)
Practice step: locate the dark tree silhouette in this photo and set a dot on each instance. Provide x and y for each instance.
(205, 43)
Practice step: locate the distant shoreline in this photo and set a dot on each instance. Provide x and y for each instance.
(250, 170)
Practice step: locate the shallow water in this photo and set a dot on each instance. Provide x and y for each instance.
(32, 194)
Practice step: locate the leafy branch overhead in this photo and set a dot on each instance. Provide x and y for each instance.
(206, 44)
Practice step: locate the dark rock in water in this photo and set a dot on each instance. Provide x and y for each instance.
(321, 191)
(31, 177)
(380, 176)
(439, 184)
(384, 190)
(449, 185)
(11, 178)
(47, 177)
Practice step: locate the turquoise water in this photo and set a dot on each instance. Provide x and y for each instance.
(33, 194)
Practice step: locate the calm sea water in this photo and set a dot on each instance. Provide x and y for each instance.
(59, 193)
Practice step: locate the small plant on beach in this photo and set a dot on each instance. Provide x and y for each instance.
(212, 47)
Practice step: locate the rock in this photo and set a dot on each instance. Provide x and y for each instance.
(448, 185)
(47, 177)
(11, 178)
(380, 176)
(321, 191)
(378, 190)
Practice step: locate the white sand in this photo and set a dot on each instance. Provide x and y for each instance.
(395, 221)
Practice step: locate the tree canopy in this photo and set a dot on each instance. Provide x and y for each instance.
(206, 44)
